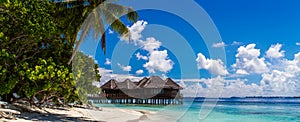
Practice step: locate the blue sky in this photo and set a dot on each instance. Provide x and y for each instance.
(260, 39)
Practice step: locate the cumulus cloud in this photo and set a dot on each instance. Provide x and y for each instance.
(293, 66)
(138, 72)
(215, 67)
(107, 62)
(297, 59)
(159, 60)
(283, 80)
(219, 87)
(151, 44)
(278, 82)
(275, 52)
(135, 32)
(239, 88)
(219, 45)
(191, 89)
(298, 43)
(125, 68)
(139, 56)
(248, 60)
(242, 72)
(105, 74)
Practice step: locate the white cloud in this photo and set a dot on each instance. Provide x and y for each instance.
(110, 31)
(281, 78)
(297, 59)
(241, 72)
(160, 61)
(239, 88)
(135, 32)
(236, 43)
(275, 52)
(125, 68)
(191, 90)
(274, 83)
(219, 87)
(248, 60)
(157, 60)
(96, 61)
(298, 43)
(151, 44)
(107, 62)
(90, 56)
(215, 67)
(278, 82)
(292, 67)
(138, 72)
(139, 56)
(219, 45)
(106, 75)
(284, 80)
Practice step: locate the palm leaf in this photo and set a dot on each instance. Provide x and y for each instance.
(104, 12)
(85, 28)
(116, 24)
(132, 15)
(98, 28)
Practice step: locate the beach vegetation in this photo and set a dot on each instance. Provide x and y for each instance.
(37, 39)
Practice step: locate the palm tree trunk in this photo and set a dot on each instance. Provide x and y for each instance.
(79, 42)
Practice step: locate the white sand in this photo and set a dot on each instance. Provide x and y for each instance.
(79, 114)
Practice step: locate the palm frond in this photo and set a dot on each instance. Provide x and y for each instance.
(85, 28)
(98, 28)
(98, 13)
(132, 15)
(117, 10)
(114, 21)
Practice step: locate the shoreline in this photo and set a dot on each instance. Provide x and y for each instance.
(106, 114)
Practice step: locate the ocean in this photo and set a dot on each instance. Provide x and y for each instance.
(225, 110)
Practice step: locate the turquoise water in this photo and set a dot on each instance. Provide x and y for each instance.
(227, 110)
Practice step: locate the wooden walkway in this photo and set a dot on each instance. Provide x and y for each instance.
(154, 101)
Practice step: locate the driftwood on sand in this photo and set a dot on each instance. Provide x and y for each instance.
(7, 113)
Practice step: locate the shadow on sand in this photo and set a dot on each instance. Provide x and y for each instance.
(53, 117)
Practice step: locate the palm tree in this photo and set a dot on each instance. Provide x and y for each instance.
(92, 15)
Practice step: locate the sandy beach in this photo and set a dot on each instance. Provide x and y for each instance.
(82, 114)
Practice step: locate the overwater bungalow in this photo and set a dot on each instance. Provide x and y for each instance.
(152, 90)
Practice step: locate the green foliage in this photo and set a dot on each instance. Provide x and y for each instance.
(86, 73)
(33, 54)
(36, 41)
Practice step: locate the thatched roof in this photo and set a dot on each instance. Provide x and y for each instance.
(153, 82)
(126, 84)
(171, 84)
(111, 84)
(142, 82)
